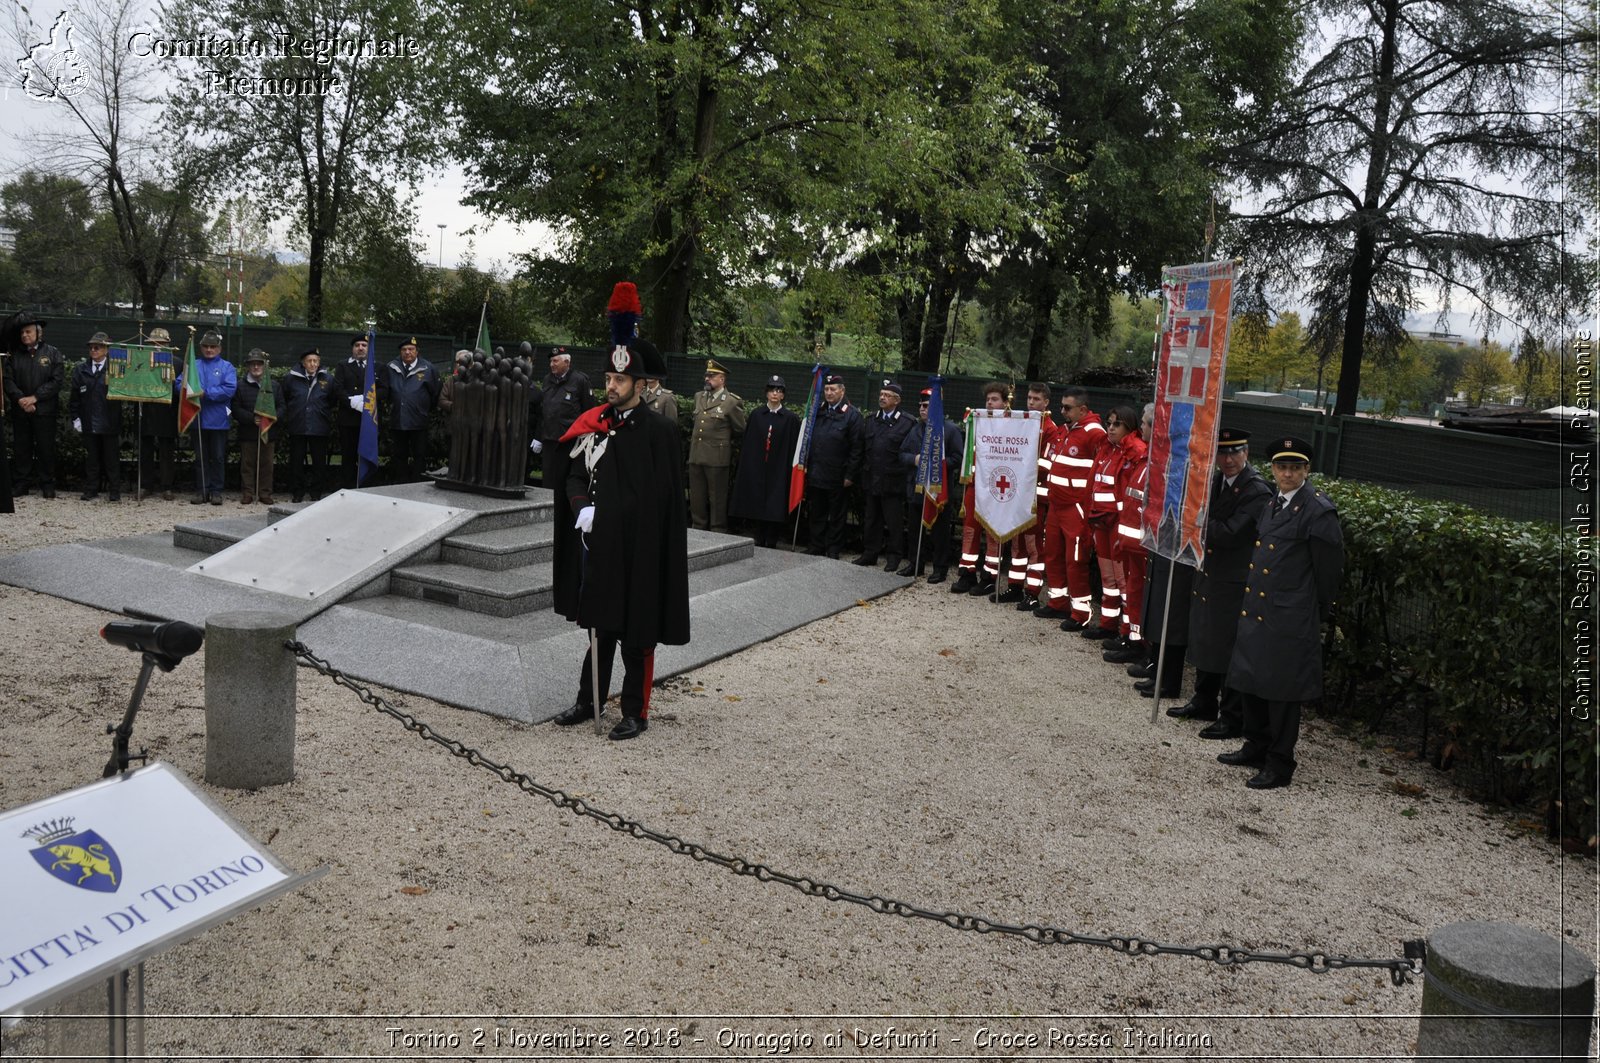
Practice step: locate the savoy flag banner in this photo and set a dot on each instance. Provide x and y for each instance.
(1191, 360)
(1005, 469)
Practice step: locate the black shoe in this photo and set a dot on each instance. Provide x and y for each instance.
(46, 492)
(864, 560)
(1142, 670)
(1071, 624)
(114, 496)
(1148, 683)
(833, 555)
(892, 564)
(1044, 612)
(939, 575)
(20, 491)
(1219, 729)
(630, 727)
(809, 553)
(1099, 634)
(1014, 594)
(1166, 695)
(317, 496)
(89, 496)
(963, 583)
(1242, 758)
(216, 500)
(908, 569)
(1194, 709)
(982, 590)
(198, 500)
(1125, 655)
(579, 713)
(1266, 779)
(1027, 605)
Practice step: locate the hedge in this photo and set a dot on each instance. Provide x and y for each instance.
(1457, 619)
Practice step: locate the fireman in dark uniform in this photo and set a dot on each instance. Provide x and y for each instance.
(1293, 578)
(1238, 495)
(883, 481)
(833, 466)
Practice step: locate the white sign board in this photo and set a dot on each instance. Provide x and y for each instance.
(99, 878)
(330, 544)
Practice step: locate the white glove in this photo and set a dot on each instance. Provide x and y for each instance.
(77, 424)
(357, 401)
(585, 519)
(536, 446)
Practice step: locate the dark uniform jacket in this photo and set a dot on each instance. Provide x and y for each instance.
(837, 442)
(766, 461)
(244, 408)
(349, 378)
(88, 402)
(635, 579)
(882, 472)
(1293, 579)
(718, 417)
(305, 405)
(411, 393)
(39, 373)
(1219, 586)
(557, 403)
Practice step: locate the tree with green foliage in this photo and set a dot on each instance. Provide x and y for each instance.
(1133, 98)
(678, 145)
(1421, 150)
(153, 192)
(56, 246)
(313, 132)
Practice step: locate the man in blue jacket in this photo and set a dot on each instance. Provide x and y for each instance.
(218, 382)
(411, 387)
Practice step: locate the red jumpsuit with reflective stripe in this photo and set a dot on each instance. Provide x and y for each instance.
(1066, 540)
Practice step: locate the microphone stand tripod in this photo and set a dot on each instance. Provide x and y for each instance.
(121, 733)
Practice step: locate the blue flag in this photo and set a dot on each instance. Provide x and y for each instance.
(933, 470)
(367, 448)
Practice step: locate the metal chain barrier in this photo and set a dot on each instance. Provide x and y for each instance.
(1400, 969)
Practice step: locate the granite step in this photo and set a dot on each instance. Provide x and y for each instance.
(478, 586)
(499, 549)
(502, 593)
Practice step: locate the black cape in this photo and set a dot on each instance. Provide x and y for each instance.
(766, 462)
(634, 581)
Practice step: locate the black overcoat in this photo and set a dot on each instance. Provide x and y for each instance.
(634, 582)
(766, 458)
(1218, 588)
(1293, 579)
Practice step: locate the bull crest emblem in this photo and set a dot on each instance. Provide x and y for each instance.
(78, 858)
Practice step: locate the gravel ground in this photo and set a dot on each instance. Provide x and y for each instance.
(922, 747)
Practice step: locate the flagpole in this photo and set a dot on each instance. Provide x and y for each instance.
(1161, 647)
(138, 465)
(199, 441)
(482, 317)
(257, 495)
